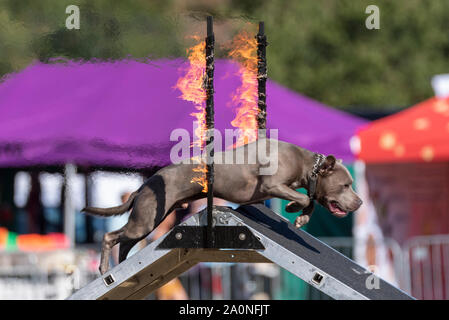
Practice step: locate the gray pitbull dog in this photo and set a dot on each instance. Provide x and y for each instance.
(325, 178)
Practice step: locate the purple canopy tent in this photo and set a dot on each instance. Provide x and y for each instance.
(121, 114)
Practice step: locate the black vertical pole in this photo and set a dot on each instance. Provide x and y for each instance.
(210, 128)
(87, 202)
(261, 80)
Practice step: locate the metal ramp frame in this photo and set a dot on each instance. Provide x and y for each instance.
(276, 240)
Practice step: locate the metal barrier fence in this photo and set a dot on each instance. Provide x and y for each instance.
(46, 275)
(427, 267)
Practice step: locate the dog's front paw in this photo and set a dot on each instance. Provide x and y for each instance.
(301, 220)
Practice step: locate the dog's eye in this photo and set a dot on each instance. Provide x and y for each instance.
(347, 185)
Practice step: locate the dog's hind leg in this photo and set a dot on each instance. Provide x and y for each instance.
(110, 239)
(137, 234)
(127, 236)
(150, 208)
(135, 230)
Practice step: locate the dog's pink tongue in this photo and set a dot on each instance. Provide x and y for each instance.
(335, 210)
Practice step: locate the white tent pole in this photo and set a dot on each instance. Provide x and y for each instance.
(69, 207)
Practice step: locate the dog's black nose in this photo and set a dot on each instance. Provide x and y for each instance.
(356, 204)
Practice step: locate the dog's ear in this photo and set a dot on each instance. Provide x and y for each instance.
(327, 166)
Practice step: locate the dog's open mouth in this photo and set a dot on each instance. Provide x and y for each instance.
(336, 210)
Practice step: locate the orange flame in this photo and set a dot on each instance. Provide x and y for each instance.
(244, 99)
(191, 86)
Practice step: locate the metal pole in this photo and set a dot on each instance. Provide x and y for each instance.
(69, 208)
(210, 128)
(87, 202)
(261, 80)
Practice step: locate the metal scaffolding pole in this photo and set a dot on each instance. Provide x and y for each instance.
(69, 208)
(261, 80)
(210, 42)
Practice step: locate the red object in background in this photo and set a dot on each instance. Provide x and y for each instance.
(38, 242)
(417, 134)
(3, 237)
(410, 199)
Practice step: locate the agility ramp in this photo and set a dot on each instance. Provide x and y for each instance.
(251, 233)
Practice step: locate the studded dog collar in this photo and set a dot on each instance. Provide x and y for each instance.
(313, 177)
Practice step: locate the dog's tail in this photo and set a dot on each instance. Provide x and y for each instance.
(114, 211)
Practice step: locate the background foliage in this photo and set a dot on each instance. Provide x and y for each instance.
(320, 48)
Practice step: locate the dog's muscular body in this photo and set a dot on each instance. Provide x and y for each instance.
(171, 187)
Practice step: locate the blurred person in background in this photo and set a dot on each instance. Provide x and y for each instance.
(34, 207)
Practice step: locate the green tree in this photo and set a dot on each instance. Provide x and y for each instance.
(323, 49)
(320, 48)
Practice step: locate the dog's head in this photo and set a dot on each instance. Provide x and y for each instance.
(334, 188)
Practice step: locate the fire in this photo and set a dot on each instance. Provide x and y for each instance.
(244, 99)
(191, 86)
